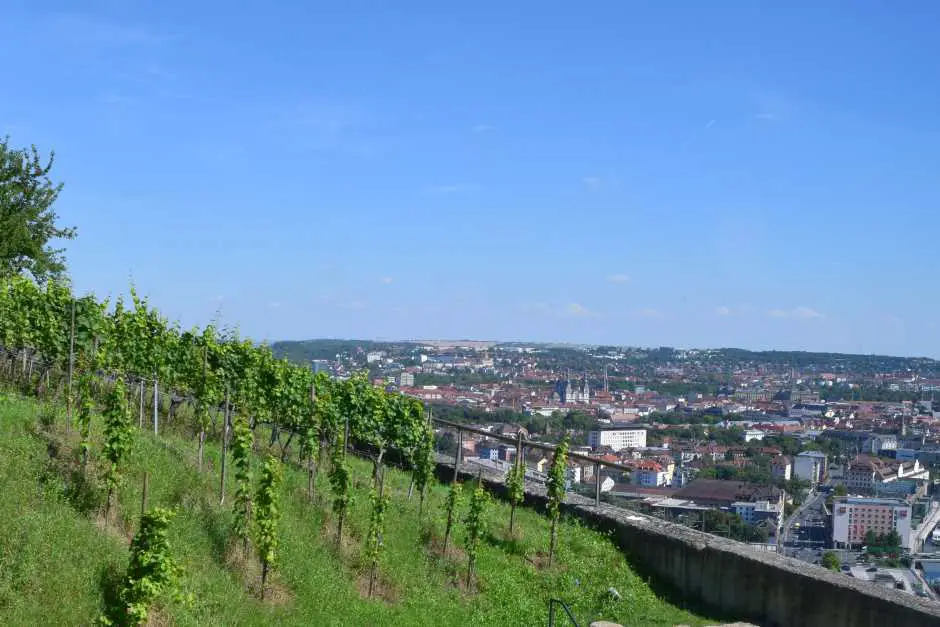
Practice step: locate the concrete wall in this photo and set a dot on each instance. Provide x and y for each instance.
(728, 579)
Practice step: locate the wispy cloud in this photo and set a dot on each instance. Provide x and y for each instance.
(482, 128)
(723, 310)
(577, 310)
(274, 305)
(648, 312)
(387, 280)
(619, 278)
(710, 124)
(766, 116)
(801, 313)
(456, 188)
(593, 183)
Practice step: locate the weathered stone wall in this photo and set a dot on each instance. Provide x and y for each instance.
(729, 579)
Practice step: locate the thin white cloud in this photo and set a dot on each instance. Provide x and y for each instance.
(649, 312)
(710, 124)
(482, 128)
(593, 183)
(723, 310)
(577, 310)
(387, 280)
(766, 116)
(801, 313)
(619, 278)
(274, 305)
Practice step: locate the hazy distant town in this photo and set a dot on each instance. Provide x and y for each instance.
(830, 458)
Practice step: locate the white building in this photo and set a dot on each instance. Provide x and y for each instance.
(753, 434)
(374, 356)
(853, 517)
(758, 511)
(617, 439)
(810, 466)
(406, 379)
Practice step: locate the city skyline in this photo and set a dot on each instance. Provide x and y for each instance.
(749, 176)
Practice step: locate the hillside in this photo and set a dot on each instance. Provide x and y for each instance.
(60, 563)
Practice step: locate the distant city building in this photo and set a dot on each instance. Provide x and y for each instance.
(881, 442)
(617, 439)
(871, 475)
(781, 468)
(374, 357)
(406, 379)
(753, 434)
(810, 466)
(754, 512)
(853, 517)
(577, 391)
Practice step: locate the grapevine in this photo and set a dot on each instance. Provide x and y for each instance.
(267, 515)
(83, 416)
(242, 440)
(374, 543)
(475, 522)
(339, 482)
(556, 492)
(152, 571)
(118, 437)
(515, 488)
(450, 508)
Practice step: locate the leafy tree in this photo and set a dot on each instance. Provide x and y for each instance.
(475, 522)
(267, 515)
(27, 219)
(556, 492)
(871, 538)
(831, 561)
(840, 490)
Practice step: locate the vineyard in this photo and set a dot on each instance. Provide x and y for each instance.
(160, 475)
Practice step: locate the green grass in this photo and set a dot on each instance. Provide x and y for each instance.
(58, 565)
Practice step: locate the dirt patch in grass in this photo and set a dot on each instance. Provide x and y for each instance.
(247, 567)
(539, 560)
(382, 590)
(435, 544)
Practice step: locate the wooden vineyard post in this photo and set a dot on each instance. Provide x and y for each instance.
(68, 395)
(143, 496)
(225, 421)
(597, 484)
(457, 456)
(140, 388)
(156, 405)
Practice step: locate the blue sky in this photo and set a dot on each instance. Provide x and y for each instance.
(760, 175)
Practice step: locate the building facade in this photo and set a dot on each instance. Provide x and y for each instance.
(853, 517)
(810, 466)
(781, 468)
(617, 439)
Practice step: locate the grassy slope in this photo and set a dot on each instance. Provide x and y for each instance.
(57, 565)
